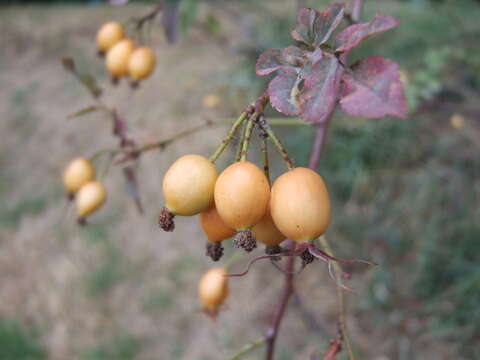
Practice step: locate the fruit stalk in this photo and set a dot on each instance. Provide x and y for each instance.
(247, 137)
(243, 116)
(278, 144)
(264, 150)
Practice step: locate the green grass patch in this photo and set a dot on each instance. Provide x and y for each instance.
(119, 347)
(27, 206)
(18, 342)
(109, 272)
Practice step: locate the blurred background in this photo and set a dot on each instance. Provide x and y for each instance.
(405, 192)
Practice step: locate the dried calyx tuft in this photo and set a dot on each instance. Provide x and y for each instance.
(165, 220)
(245, 239)
(306, 257)
(214, 250)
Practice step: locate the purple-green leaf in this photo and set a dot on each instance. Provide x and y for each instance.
(283, 92)
(373, 89)
(315, 27)
(276, 59)
(304, 30)
(319, 94)
(353, 35)
(327, 22)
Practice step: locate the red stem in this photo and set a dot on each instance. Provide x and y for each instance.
(315, 155)
(287, 293)
(357, 6)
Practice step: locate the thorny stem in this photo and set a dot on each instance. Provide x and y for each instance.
(247, 137)
(357, 6)
(318, 143)
(164, 143)
(229, 136)
(315, 155)
(249, 348)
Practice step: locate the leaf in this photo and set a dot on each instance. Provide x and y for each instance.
(374, 89)
(314, 56)
(276, 59)
(91, 84)
(304, 30)
(353, 35)
(315, 27)
(84, 111)
(68, 63)
(132, 186)
(293, 56)
(327, 22)
(319, 94)
(283, 91)
(87, 80)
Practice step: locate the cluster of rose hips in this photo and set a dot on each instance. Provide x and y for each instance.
(122, 57)
(80, 184)
(240, 203)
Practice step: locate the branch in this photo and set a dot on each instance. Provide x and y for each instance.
(164, 143)
(150, 16)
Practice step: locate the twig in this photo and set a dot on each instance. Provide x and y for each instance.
(163, 143)
(249, 348)
(148, 17)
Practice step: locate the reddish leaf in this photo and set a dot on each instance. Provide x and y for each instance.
(314, 56)
(319, 94)
(304, 30)
(315, 27)
(283, 92)
(374, 89)
(293, 56)
(327, 22)
(276, 59)
(353, 35)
